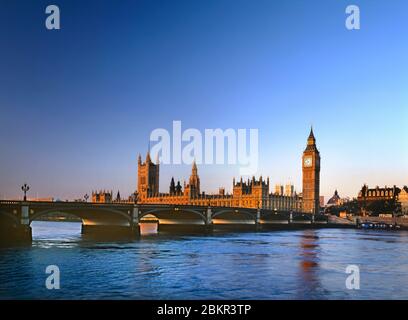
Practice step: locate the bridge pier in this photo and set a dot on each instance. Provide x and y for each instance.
(208, 221)
(24, 231)
(112, 231)
(134, 224)
(17, 233)
(258, 225)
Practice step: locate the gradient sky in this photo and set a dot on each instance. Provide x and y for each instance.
(77, 105)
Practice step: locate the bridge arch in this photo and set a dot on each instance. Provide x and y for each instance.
(249, 214)
(301, 216)
(77, 213)
(158, 210)
(268, 213)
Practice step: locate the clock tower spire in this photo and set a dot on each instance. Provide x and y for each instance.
(311, 176)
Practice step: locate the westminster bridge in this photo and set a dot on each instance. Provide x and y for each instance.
(126, 218)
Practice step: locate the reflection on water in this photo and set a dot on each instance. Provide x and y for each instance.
(148, 228)
(266, 265)
(309, 262)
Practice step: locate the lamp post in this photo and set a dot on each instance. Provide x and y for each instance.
(25, 187)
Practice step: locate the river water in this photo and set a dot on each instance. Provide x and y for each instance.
(308, 264)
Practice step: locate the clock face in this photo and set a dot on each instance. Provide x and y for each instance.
(307, 161)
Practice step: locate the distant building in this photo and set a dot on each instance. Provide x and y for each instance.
(252, 193)
(377, 193)
(321, 201)
(221, 191)
(102, 196)
(403, 200)
(376, 201)
(278, 190)
(148, 178)
(289, 190)
(335, 200)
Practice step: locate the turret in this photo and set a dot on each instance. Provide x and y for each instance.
(148, 160)
(194, 181)
(311, 140)
(178, 188)
(172, 187)
(194, 168)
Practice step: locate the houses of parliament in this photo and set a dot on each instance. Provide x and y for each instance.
(251, 193)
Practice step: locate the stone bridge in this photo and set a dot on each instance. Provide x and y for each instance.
(125, 218)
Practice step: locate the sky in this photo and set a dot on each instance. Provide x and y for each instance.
(77, 105)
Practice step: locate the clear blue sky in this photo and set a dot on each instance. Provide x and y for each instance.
(77, 105)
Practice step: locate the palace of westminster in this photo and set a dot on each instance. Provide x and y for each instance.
(252, 193)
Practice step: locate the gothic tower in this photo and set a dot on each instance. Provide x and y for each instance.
(147, 178)
(194, 180)
(172, 188)
(192, 190)
(311, 176)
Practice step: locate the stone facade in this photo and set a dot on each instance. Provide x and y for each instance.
(403, 200)
(335, 200)
(102, 196)
(252, 193)
(375, 201)
(148, 178)
(377, 193)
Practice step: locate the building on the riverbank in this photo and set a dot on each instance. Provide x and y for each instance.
(249, 193)
(335, 200)
(403, 200)
(376, 201)
(102, 196)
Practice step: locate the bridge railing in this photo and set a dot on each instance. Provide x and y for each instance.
(10, 202)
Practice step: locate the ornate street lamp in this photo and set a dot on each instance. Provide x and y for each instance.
(25, 187)
(86, 197)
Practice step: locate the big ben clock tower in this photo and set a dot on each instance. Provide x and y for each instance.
(311, 176)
